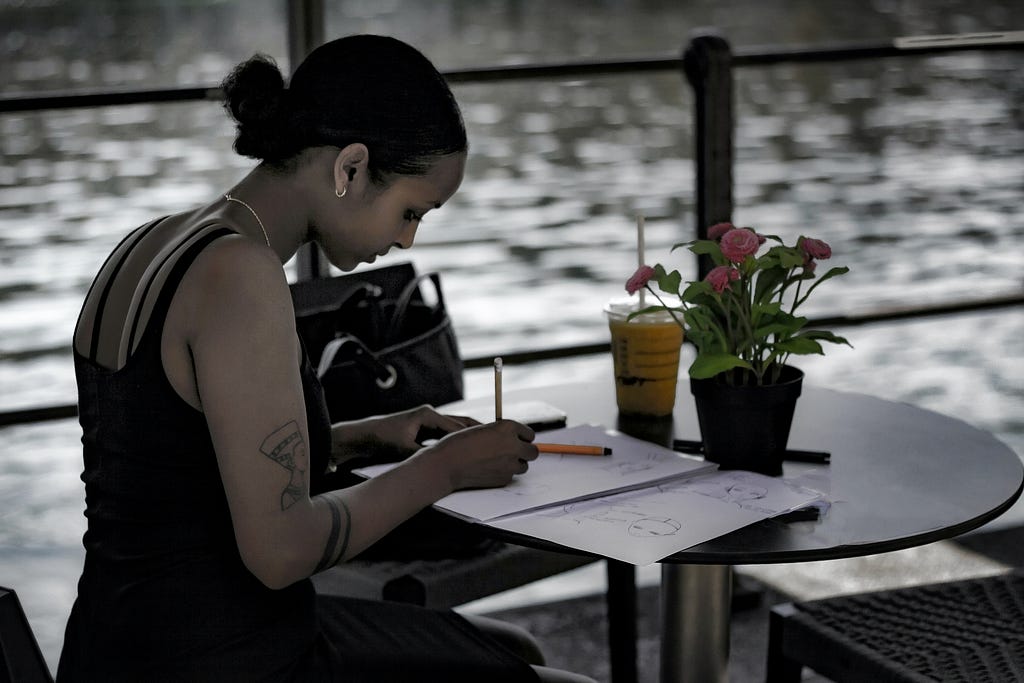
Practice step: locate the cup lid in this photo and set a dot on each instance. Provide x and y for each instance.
(621, 308)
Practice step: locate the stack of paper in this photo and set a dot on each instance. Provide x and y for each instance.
(639, 504)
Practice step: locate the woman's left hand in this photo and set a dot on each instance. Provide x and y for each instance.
(386, 438)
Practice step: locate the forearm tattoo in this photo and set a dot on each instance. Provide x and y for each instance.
(286, 447)
(331, 551)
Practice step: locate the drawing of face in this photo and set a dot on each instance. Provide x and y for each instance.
(746, 492)
(625, 468)
(653, 526)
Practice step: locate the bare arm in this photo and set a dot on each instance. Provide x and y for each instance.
(241, 336)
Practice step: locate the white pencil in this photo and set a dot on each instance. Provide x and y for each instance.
(497, 388)
(640, 250)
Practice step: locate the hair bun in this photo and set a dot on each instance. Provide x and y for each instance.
(255, 95)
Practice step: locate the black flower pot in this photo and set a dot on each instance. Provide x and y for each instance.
(746, 427)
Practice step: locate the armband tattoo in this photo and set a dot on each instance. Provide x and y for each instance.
(331, 553)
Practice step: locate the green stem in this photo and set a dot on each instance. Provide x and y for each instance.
(796, 294)
(668, 308)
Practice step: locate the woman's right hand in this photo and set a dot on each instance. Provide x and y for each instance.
(484, 456)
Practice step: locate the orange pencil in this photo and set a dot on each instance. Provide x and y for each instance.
(572, 449)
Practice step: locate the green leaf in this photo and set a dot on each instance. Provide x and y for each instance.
(790, 258)
(764, 331)
(709, 247)
(801, 346)
(710, 364)
(667, 282)
(770, 308)
(832, 272)
(701, 319)
(649, 309)
(767, 282)
(695, 290)
(704, 330)
(825, 335)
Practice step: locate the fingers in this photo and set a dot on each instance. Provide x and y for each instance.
(488, 455)
(522, 431)
(432, 420)
(463, 420)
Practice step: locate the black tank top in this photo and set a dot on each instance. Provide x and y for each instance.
(164, 594)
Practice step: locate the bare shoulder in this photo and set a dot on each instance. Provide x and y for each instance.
(236, 270)
(237, 282)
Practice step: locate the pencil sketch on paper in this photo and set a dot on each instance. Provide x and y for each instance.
(631, 515)
(521, 488)
(654, 526)
(743, 489)
(627, 467)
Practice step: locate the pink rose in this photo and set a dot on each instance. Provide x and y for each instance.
(719, 229)
(639, 279)
(813, 248)
(739, 243)
(721, 276)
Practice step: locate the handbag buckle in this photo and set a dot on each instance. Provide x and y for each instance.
(390, 380)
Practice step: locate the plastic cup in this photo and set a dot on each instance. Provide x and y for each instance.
(645, 353)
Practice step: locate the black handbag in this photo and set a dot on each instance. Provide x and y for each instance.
(378, 345)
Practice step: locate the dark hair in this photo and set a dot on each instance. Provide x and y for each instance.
(370, 89)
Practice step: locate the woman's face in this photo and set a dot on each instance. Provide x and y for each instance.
(369, 221)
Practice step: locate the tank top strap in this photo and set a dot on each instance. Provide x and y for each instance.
(193, 245)
(121, 253)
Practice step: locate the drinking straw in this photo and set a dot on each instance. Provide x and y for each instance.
(640, 249)
(497, 388)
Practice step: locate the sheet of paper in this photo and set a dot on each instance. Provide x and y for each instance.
(643, 526)
(555, 478)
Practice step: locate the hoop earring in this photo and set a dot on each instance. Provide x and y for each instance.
(341, 194)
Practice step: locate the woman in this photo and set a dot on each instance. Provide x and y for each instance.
(203, 423)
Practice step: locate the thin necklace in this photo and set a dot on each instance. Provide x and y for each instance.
(254, 215)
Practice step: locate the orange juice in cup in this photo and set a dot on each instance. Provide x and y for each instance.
(645, 353)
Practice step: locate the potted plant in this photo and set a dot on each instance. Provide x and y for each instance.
(742, 319)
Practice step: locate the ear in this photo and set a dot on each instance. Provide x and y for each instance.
(350, 166)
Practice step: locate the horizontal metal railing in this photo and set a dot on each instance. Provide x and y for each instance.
(766, 56)
(29, 415)
(900, 47)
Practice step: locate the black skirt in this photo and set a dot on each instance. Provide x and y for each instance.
(370, 641)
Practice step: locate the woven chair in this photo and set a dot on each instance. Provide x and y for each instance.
(21, 661)
(970, 630)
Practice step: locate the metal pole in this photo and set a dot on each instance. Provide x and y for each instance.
(696, 601)
(622, 632)
(305, 32)
(707, 64)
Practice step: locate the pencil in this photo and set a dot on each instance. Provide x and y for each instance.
(497, 388)
(572, 449)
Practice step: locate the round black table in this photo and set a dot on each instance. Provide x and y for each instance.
(899, 476)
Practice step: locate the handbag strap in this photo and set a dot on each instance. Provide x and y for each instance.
(384, 374)
(403, 300)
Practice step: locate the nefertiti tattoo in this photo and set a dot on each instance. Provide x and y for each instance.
(286, 447)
